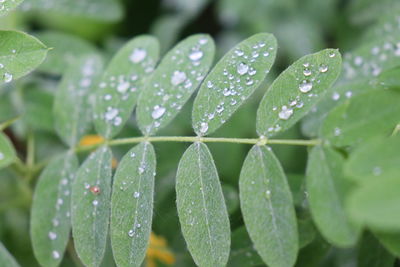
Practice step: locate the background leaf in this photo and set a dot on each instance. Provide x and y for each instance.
(201, 207)
(122, 81)
(8, 5)
(376, 204)
(267, 208)
(373, 254)
(235, 77)
(72, 106)
(374, 113)
(296, 90)
(391, 241)
(327, 188)
(174, 81)
(132, 205)
(66, 48)
(50, 214)
(377, 159)
(6, 259)
(20, 53)
(7, 151)
(91, 193)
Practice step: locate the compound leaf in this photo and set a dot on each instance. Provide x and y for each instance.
(132, 205)
(267, 208)
(91, 193)
(327, 188)
(296, 90)
(201, 207)
(121, 83)
(235, 77)
(20, 54)
(174, 81)
(50, 215)
(72, 106)
(7, 151)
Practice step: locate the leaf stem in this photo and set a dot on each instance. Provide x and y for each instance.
(191, 139)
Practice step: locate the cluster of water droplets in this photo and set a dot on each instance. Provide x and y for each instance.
(7, 76)
(364, 63)
(172, 88)
(3, 6)
(230, 86)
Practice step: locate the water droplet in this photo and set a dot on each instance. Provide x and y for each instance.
(107, 97)
(111, 113)
(138, 55)
(178, 77)
(348, 94)
(132, 155)
(123, 87)
(8, 77)
(136, 194)
(52, 236)
(1, 156)
(266, 54)
(131, 233)
(268, 193)
(158, 112)
(305, 86)
(242, 68)
(358, 61)
(203, 127)
(331, 54)
(285, 113)
(55, 222)
(196, 55)
(323, 68)
(239, 52)
(140, 170)
(209, 84)
(307, 72)
(55, 254)
(337, 131)
(95, 202)
(335, 96)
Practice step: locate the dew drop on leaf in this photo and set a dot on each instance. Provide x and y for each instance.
(285, 113)
(158, 112)
(196, 55)
(8, 77)
(305, 86)
(242, 68)
(138, 55)
(178, 77)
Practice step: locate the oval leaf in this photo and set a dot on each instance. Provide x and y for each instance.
(7, 151)
(376, 204)
(50, 215)
(72, 107)
(6, 259)
(374, 113)
(267, 208)
(132, 205)
(121, 83)
(377, 159)
(296, 90)
(20, 54)
(66, 48)
(327, 188)
(235, 77)
(91, 193)
(391, 241)
(201, 207)
(174, 81)
(8, 5)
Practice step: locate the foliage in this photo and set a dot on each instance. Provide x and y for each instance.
(94, 169)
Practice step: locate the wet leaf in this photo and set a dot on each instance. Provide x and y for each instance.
(174, 81)
(122, 81)
(267, 208)
(296, 90)
(201, 207)
(132, 205)
(91, 193)
(232, 81)
(50, 215)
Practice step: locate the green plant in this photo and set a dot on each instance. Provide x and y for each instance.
(346, 198)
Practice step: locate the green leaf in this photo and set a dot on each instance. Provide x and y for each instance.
(66, 48)
(132, 205)
(373, 254)
(267, 208)
(20, 54)
(296, 90)
(327, 188)
(201, 207)
(374, 113)
(7, 151)
(243, 253)
(391, 241)
(174, 81)
(8, 5)
(377, 159)
(376, 204)
(50, 215)
(91, 198)
(122, 82)
(6, 259)
(234, 79)
(90, 9)
(72, 107)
